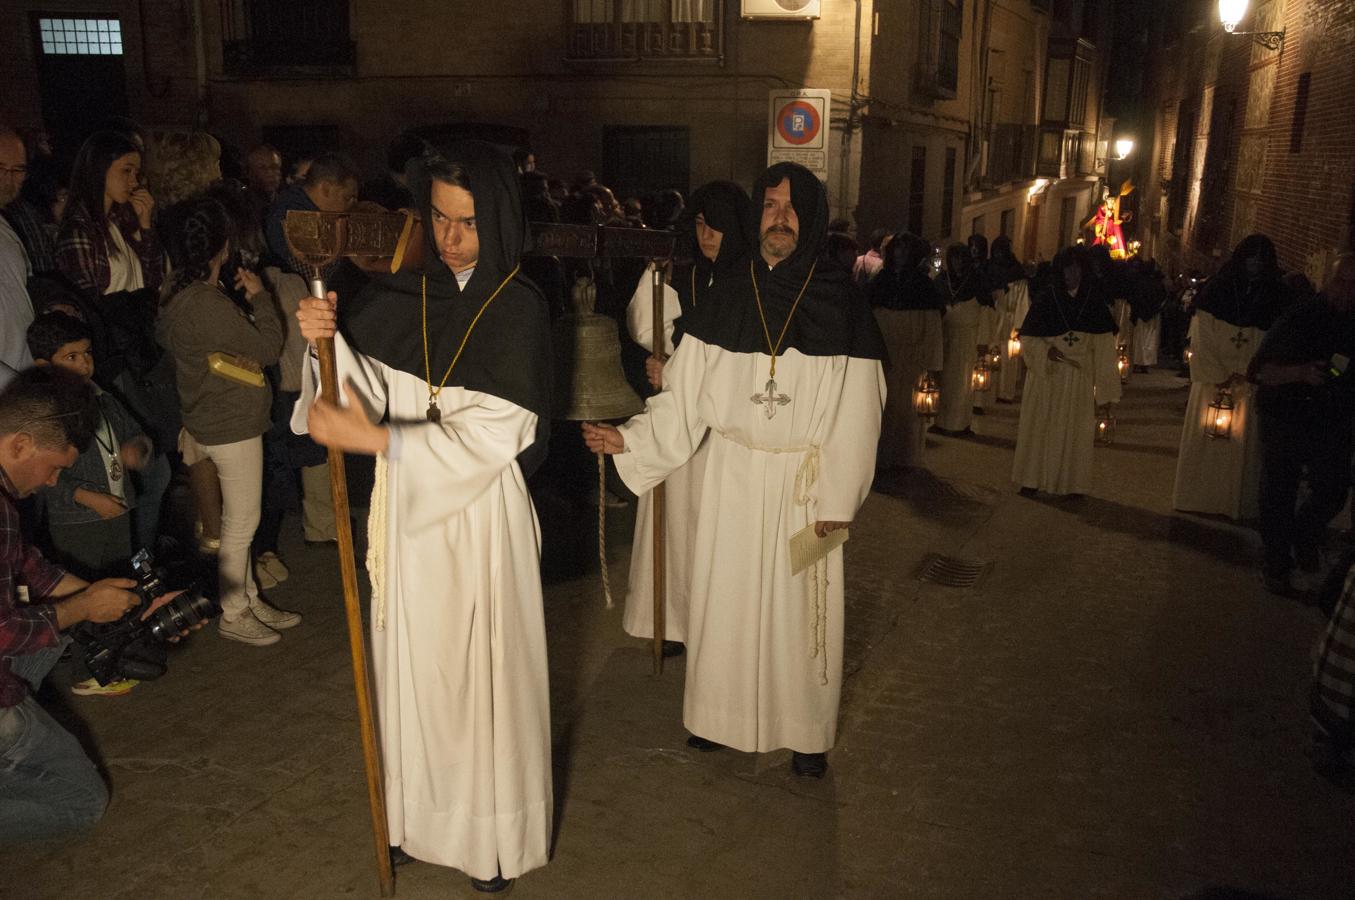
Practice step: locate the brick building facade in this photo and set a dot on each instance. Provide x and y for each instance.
(1250, 139)
(946, 116)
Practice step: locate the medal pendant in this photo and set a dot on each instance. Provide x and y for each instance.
(434, 414)
(114, 469)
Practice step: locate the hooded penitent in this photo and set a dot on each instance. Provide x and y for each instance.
(1053, 312)
(723, 206)
(832, 318)
(1241, 298)
(502, 356)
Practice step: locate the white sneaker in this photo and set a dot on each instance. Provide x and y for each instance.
(274, 564)
(247, 629)
(273, 617)
(262, 577)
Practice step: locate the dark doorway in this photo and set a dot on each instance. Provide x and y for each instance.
(80, 76)
(646, 159)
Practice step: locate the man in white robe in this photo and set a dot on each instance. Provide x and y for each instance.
(783, 369)
(457, 358)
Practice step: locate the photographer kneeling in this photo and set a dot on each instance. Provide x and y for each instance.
(47, 784)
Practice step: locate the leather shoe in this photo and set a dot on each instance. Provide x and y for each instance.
(496, 885)
(809, 765)
(705, 746)
(400, 858)
(673, 648)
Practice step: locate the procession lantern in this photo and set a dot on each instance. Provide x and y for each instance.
(994, 358)
(1219, 416)
(1014, 345)
(926, 396)
(1105, 427)
(1122, 363)
(982, 377)
(1190, 354)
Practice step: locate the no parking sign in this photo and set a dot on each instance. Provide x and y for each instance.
(798, 129)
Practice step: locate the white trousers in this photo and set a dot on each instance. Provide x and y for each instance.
(239, 468)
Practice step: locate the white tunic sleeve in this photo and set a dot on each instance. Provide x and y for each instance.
(640, 313)
(847, 457)
(367, 376)
(1035, 354)
(664, 436)
(1207, 362)
(453, 462)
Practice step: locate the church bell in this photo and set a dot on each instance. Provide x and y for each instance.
(590, 384)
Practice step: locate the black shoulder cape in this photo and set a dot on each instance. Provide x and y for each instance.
(1053, 312)
(509, 352)
(1230, 297)
(832, 319)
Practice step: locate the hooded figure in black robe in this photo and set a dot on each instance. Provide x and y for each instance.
(1247, 292)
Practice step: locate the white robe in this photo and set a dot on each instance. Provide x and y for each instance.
(764, 648)
(913, 338)
(1147, 338)
(1057, 433)
(680, 502)
(462, 700)
(1216, 475)
(961, 330)
(1015, 305)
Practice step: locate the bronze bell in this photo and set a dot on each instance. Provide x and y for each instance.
(590, 385)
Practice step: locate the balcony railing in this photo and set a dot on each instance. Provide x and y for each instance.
(1065, 153)
(1011, 150)
(259, 37)
(651, 30)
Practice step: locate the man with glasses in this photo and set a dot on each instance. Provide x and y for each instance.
(16, 310)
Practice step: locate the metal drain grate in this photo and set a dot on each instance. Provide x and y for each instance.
(953, 571)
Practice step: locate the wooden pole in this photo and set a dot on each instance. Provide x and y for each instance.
(362, 682)
(660, 494)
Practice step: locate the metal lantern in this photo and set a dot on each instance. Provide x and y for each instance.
(926, 396)
(994, 358)
(1219, 416)
(1190, 354)
(1122, 363)
(981, 379)
(1105, 428)
(1014, 346)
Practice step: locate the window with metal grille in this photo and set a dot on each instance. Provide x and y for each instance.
(1005, 222)
(259, 36)
(80, 37)
(948, 60)
(917, 189)
(1300, 113)
(601, 30)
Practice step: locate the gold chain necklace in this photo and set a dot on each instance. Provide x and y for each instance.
(770, 398)
(435, 414)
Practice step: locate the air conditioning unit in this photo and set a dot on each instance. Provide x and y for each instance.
(781, 9)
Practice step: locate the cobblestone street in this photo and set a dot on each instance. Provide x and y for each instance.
(1116, 710)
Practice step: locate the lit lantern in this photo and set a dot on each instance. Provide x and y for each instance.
(1014, 346)
(1122, 363)
(1105, 428)
(926, 396)
(994, 358)
(1231, 13)
(1190, 354)
(1219, 416)
(982, 377)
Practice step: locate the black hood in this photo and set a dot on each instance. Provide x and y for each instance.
(810, 199)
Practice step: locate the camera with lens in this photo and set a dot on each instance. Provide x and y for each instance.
(135, 648)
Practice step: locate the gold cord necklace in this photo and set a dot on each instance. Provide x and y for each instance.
(435, 414)
(770, 399)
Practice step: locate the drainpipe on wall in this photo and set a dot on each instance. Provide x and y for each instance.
(849, 128)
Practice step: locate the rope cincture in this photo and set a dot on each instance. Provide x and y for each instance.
(376, 542)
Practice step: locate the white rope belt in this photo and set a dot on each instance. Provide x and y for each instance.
(806, 476)
(376, 542)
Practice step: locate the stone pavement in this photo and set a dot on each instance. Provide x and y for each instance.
(1116, 710)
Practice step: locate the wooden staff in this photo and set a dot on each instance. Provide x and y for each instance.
(357, 646)
(660, 493)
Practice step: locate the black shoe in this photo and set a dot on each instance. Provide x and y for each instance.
(963, 432)
(705, 746)
(1028, 491)
(673, 648)
(809, 765)
(400, 858)
(496, 885)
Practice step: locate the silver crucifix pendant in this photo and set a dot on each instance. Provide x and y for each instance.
(771, 399)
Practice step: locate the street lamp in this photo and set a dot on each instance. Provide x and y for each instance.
(1124, 147)
(1231, 12)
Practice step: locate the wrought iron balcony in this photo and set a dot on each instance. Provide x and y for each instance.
(644, 30)
(259, 37)
(1010, 154)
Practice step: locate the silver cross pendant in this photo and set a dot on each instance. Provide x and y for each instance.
(771, 399)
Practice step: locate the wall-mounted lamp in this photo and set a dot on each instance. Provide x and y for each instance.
(1231, 12)
(1124, 147)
